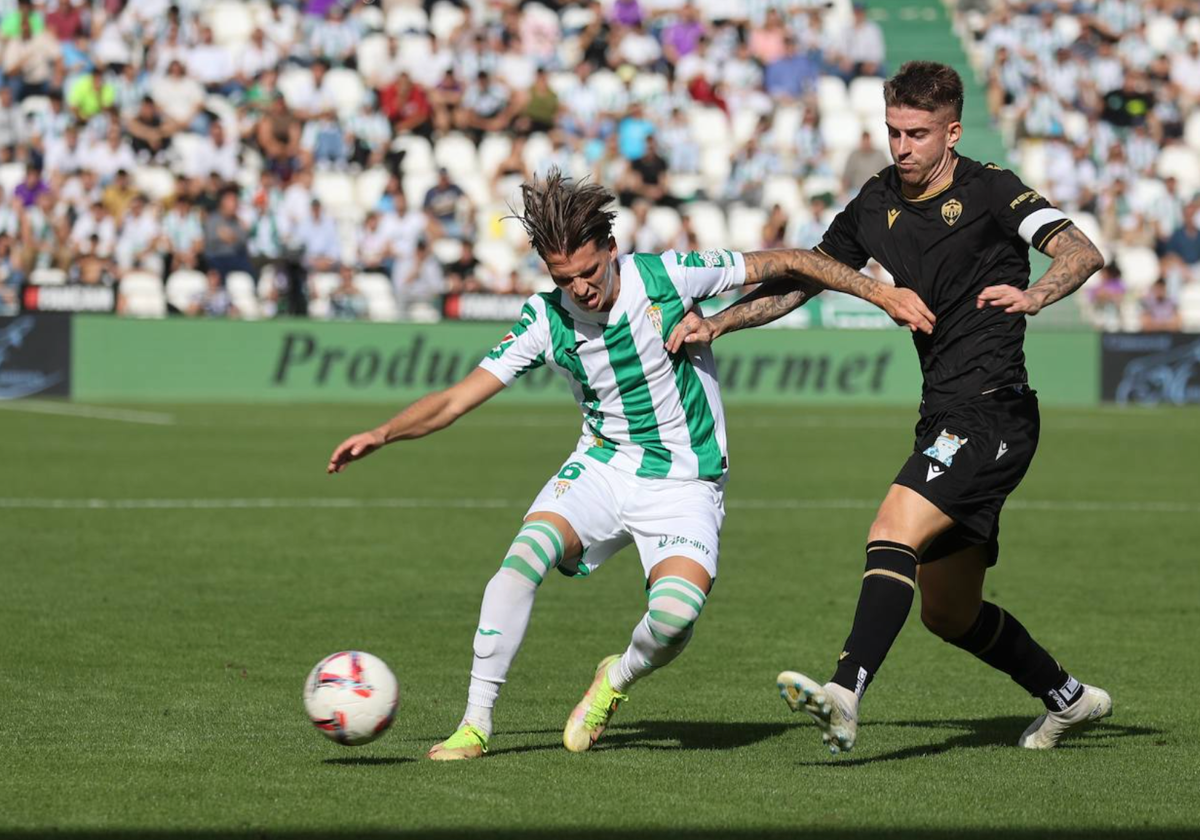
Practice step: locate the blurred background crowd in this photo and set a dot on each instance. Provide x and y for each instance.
(357, 160)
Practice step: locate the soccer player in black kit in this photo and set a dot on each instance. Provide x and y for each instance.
(956, 232)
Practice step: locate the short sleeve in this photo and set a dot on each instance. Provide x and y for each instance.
(841, 240)
(1021, 211)
(522, 349)
(705, 274)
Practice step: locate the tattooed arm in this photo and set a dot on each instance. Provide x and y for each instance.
(789, 277)
(1075, 259)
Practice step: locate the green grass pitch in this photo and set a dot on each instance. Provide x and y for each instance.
(154, 657)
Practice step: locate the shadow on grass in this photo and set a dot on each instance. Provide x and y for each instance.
(981, 732)
(368, 761)
(672, 735)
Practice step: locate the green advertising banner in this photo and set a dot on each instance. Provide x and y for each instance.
(177, 360)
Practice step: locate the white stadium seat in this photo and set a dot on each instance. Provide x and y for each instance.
(231, 23)
(1139, 268)
(182, 287)
(322, 283)
(715, 166)
(335, 190)
(369, 187)
(446, 250)
(445, 18)
(418, 154)
(1182, 163)
(294, 83)
(537, 148)
(841, 130)
(372, 56)
(347, 89)
(831, 95)
(11, 175)
(240, 286)
(710, 127)
(709, 223)
(381, 299)
(1191, 131)
(783, 190)
(665, 222)
(492, 152)
(143, 295)
(497, 255)
(456, 153)
(156, 182)
(1189, 306)
(746, 227)
(403, 18)
(866, 97)
(624, 226)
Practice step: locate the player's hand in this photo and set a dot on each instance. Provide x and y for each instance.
(353, 449)
(907, 309)
(1011, 298)
(694, 328)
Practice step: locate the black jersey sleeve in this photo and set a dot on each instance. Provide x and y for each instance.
(1022, 211)
(841, 240)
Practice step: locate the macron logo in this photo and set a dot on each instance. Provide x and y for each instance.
(934, 472)
(1000, 452)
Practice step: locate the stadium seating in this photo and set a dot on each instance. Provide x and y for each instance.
(142, 295)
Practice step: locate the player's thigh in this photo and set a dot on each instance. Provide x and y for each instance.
(907, 517)
(677, 521)
(952, 591)
(582, 500)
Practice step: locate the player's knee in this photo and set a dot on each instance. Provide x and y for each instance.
(537, 548)
(945, 621)
(673, 607)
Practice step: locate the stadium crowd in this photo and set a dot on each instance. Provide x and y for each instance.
(1102, 97)
(286, 156)
(352, 160)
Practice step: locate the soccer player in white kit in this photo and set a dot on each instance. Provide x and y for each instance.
(651, 461)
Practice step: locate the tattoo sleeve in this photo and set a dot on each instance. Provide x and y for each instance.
(1075, 259)
(789, 277)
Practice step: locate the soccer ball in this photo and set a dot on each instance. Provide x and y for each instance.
(352, 697)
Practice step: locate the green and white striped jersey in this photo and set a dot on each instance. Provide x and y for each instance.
(644, 411)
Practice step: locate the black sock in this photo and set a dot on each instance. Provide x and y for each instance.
(1003, 642)
(883, 604)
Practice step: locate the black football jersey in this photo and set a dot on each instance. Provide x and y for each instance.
(947, 247)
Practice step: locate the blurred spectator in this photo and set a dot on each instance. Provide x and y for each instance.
(1106, 299)
(417, 277)
(462, 275)
(862, 163)
(226, 239)
(1159, 311)
(89, 94)
(32, 187)
(485, 107)
(179, 98)
(752, 165)
(183, 231)
(791, 76)
(317, 234)
(94, 232)
(213, 301)
(538, 108)
(323, 141)
(150, 135)
(140, 240)
(11, 278)
(1185, 241)
(118, 195)
(278, 136)
(346, 302)
(442, 205)
(29, 60)
(408, 108)
(860, 49)
(646, 178)
(632, 132)
(775, 228)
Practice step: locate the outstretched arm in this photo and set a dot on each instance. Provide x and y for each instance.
(1075, 259)
(427, 415)
(789, 277)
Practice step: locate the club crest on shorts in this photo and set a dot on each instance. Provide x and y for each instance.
(951, 210)
(945, 448)
(654, 313)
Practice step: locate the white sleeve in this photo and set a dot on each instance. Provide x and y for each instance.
(705, 274)
(523, 348)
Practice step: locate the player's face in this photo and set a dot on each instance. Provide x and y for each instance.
(589, 275)
(921, 141)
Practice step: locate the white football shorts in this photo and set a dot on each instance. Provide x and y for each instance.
(610, 508)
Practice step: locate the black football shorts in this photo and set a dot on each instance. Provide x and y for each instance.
(968, 459)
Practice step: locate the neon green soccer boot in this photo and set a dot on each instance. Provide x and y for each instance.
(467, 742)
(588, 719)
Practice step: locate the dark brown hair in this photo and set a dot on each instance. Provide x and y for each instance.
(926, 86)
(561, 214)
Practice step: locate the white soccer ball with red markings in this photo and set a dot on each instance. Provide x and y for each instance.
(352, 697)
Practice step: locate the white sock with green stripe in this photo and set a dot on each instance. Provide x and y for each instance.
(504, 615)
(673, 606)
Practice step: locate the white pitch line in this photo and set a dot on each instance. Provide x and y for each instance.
(1051, 506)
(89, 412)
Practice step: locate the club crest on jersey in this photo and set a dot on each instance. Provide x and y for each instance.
(945, 448)
(951, 210)
(654, 313)
(561, 487)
